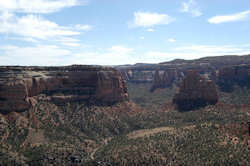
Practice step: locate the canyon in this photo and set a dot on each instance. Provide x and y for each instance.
(20, 87)
(126, 115)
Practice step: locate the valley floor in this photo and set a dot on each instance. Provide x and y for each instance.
(145, 131)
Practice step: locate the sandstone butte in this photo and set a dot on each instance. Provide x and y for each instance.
(195, 91)
(78, 83)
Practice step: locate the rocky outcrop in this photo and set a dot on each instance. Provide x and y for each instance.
(234, 75)
(165, 79)
(161, 75)
(138, 76)
(195, 91)
(93, 84)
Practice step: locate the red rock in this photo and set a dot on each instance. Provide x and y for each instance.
(234, 75)
(164, 79)
(92, 84)
(195, 91)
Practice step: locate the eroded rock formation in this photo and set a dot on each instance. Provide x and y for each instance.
(234, 75)
(164, 79)
(93, 84)
(161, 75)
(195, 91)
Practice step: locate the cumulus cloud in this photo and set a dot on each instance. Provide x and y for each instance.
(147, 19)
(191, 7)
(37, 6)
(36, 27)
(31, 27)
(241, 16)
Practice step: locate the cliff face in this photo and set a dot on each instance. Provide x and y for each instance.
(235, 75)
(138, 76)
(164, 79)
(93, 84)
(195, 91)
(218, 69)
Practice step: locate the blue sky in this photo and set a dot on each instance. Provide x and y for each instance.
(114, 32)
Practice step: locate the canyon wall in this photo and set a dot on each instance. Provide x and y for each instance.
(235, 75)
(225, 71)
(91, 84)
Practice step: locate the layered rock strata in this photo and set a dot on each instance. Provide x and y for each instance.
(171, 73)
(92, 84)
(195, 91)
(234, 75)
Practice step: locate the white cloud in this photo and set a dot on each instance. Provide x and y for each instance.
(142, 37)
(31, 27)
(83, 27)
(37, 55)
(121, 50)
(112, 57)
(146, 19)
(116, 55)
(71, 44)
(8, 47)
(68, 40)
(195, 52)
(190, 6)
(27, 39)
(212, 50)
(36, 27)
(101, 58)
(171, 40)
(230, 18)
(150, 30)
(37, 6)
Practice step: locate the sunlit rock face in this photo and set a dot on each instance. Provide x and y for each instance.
(91, 84)
(195, 92)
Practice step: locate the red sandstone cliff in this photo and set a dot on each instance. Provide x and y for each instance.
(195, 91)
(222, 70)
(93, 84)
